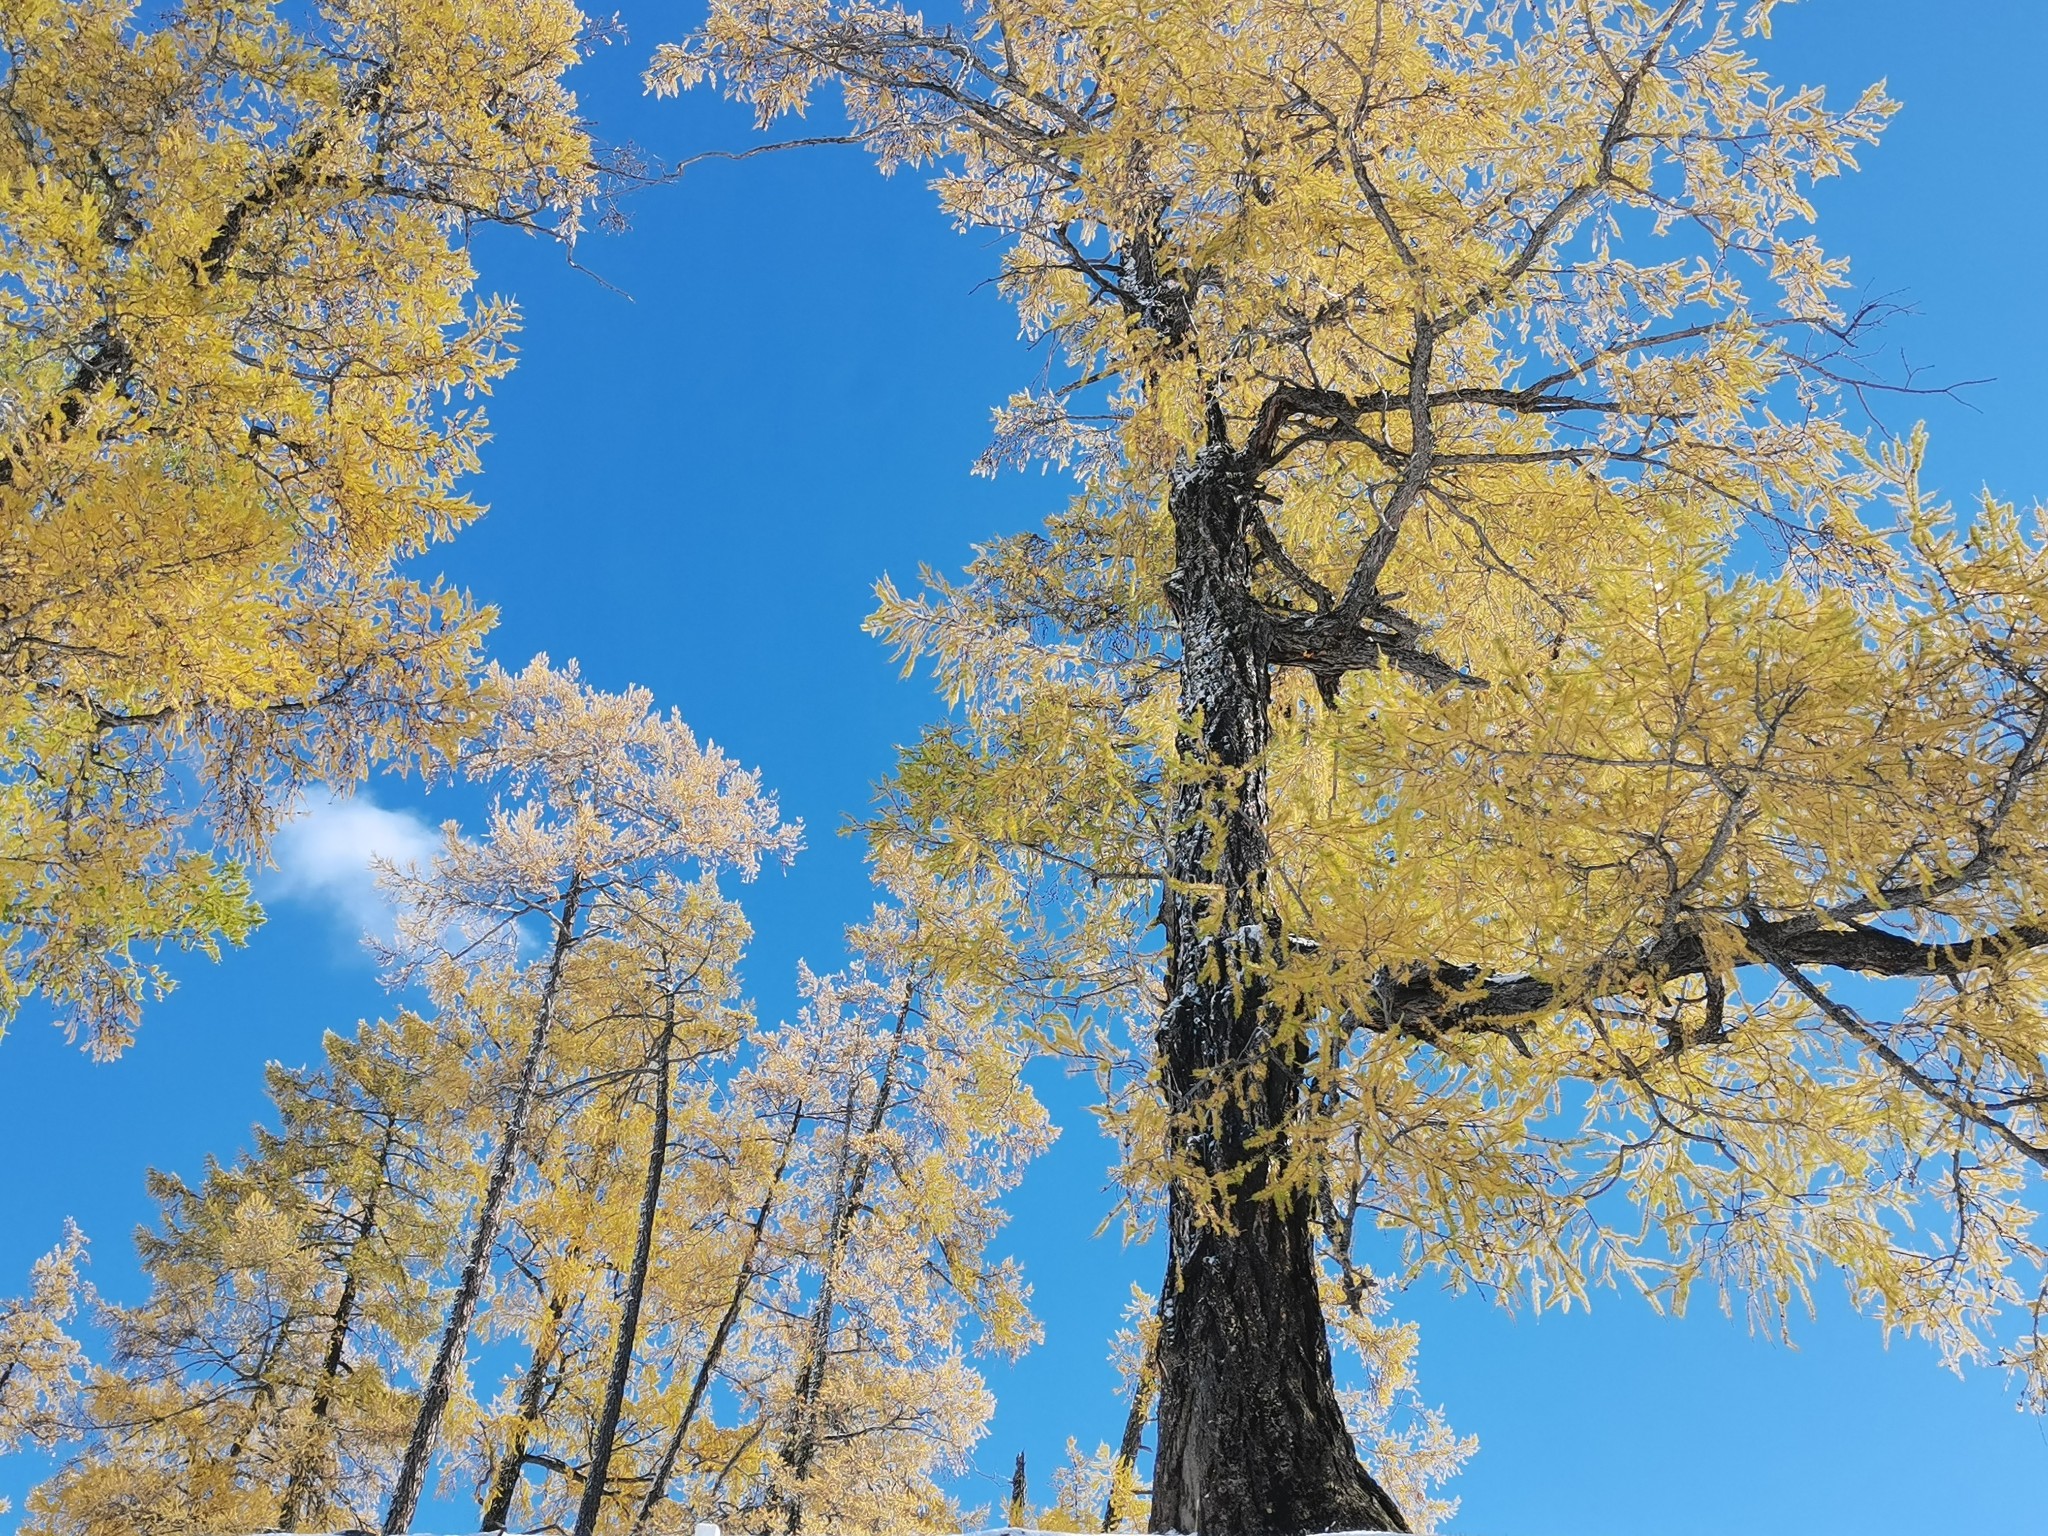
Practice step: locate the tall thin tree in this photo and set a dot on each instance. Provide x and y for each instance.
(602, 803)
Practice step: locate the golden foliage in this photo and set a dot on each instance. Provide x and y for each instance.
(259, 1384)
(40, 1362)
(1641, 906)
(238, 363)
(583, 1167)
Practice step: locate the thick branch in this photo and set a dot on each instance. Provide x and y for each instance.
(1447, 998)
(1329, 646)
(1292, 402)
(106, 359)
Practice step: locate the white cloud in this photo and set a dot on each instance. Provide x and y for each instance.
(324, 856)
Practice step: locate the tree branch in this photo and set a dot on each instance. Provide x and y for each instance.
(1445, 998)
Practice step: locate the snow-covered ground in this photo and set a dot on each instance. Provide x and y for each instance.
(712, 1530)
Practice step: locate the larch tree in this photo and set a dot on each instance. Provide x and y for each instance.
(619, 1256)
(261, 1382)
(1521, 846)
(42, 1366)
(817, 1271)
(609, 821)
(311, 1307)
(682, 960)
(612, 1236)
(239, 355)
(732, 1271)
(542, 1303)
(879, 1275)
(715, 1275)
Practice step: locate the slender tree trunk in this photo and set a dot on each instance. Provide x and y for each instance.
(263, 1392)
(700, 1384)
(1252, 1441)
(299, 1496)
(412, 1471)
(1020, 1503)
(801, 1445)
(505, 1476)
(1124, 1475)
(628, 1332)
(299, 1499)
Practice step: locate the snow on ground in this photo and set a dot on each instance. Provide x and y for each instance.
(713, 1530)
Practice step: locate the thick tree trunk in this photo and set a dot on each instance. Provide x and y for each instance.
(1251, 1439)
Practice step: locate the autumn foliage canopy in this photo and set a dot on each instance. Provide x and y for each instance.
(1499, 771)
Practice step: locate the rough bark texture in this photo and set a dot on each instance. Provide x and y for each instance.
(1252, 1441)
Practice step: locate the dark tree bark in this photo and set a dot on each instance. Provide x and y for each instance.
(1020, 1507)
(533, 1394)
(426, 1430)
(300, 1500)
(1144, 1394)
(628, 1335)
(1252, 1441)
(714, 1350)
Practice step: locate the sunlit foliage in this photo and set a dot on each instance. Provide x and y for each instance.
(240, 359)
(579, 1235)
(1605, 788)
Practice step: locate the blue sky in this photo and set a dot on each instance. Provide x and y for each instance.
(700, 467)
